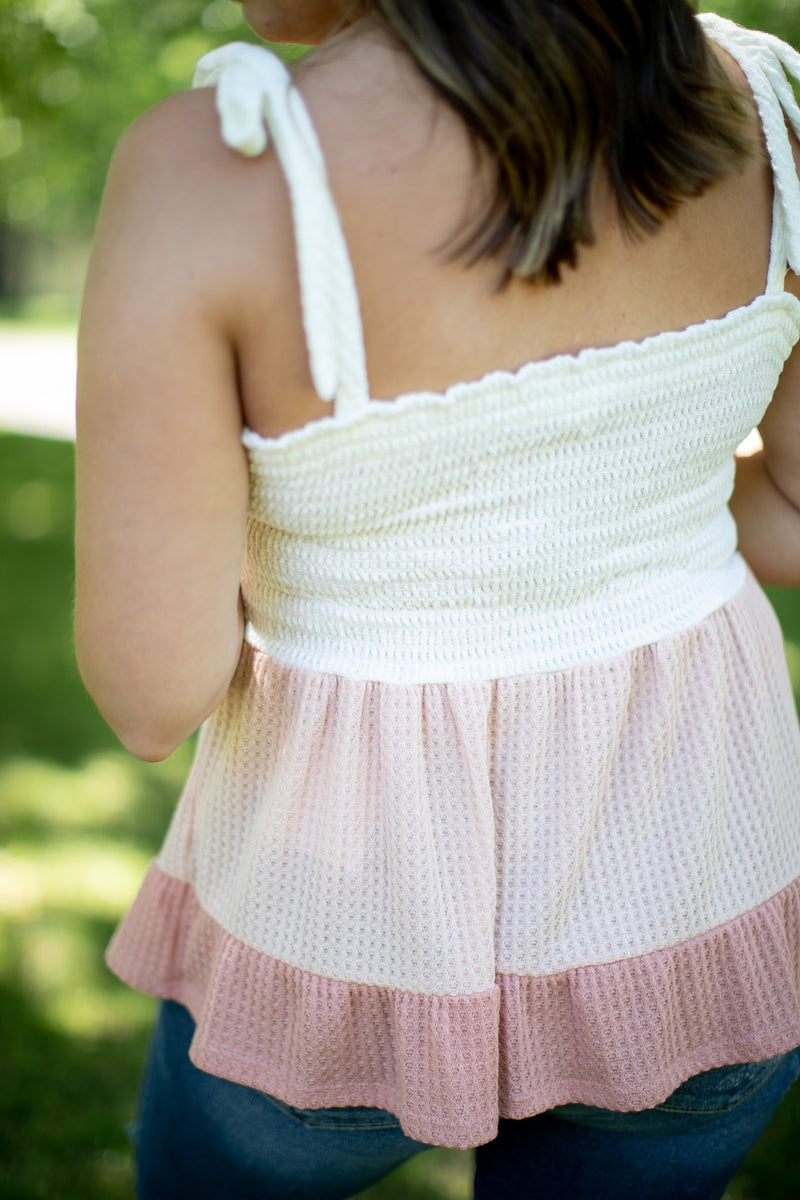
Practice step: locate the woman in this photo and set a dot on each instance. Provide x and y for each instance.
(493, 816)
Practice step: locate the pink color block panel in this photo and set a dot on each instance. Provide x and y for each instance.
(621, 1035)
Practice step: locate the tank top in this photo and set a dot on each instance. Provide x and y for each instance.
(501, 808)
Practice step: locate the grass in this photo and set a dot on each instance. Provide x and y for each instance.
(79, 820)
(49, 311)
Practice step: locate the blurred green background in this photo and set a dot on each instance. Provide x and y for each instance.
(79, 817)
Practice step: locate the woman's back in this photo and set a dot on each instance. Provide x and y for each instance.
(404, 178)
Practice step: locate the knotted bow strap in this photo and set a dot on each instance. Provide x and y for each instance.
(256, 100)
(765, 60)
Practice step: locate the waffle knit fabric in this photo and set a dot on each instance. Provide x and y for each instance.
(501, 808)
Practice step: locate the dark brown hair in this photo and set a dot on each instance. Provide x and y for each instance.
(551, 87)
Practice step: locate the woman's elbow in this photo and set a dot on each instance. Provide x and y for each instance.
(148, 730)
(151, 737)
(149, 747)
(152, 712)
(768, 523)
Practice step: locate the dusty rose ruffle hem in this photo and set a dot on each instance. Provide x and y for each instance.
(619, 1035)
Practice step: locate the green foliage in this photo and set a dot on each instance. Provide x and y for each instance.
(781, 17)
(75, 73)
(35, 620)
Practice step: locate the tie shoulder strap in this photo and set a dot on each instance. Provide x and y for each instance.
(256, 100)
(766, 61)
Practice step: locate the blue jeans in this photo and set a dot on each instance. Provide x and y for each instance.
(203, 1138)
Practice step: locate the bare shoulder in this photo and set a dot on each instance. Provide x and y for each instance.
(177, 145)
(208, 209)
(731, 66)
(171, 127)
(792, 283)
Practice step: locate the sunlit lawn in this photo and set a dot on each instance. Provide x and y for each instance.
(79, 819)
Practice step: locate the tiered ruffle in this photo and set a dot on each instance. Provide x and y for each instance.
(465, 901)
(618, 1035)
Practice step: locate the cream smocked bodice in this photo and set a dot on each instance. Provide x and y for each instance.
(523, 522)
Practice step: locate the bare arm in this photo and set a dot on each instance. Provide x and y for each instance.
(766, 497)
(162, 480)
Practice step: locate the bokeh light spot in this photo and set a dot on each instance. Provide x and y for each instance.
(30, 510)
